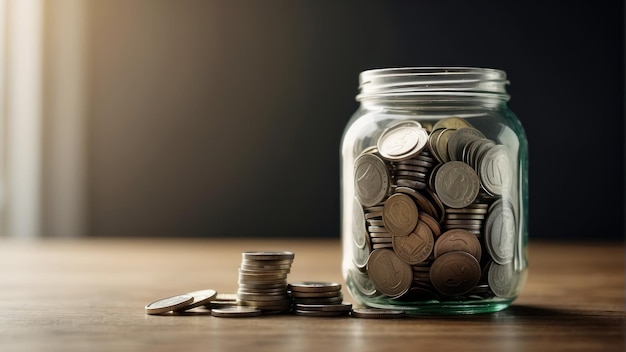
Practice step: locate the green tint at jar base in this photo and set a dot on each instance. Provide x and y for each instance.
(434, 192)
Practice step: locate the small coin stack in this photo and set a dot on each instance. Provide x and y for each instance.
(427, 203)
(318, 299)
(263, 281)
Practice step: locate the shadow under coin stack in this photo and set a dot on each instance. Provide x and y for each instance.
(428, 204)
(318, 299)
(263, 281)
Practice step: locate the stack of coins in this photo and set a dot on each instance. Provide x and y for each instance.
(427, 204)
(263, 281)
(469, 218)
(318, 299)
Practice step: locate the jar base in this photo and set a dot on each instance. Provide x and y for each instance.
(444, 308)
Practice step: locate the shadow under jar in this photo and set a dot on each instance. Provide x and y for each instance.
(434, 192)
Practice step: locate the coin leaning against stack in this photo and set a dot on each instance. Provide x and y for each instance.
(426, 205)
(263, 281)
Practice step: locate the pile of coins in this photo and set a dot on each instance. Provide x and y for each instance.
(427, 204)
(263, 289)
(263, 281)
(318, 299)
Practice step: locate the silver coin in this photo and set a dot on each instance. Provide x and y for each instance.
(473, 150)
(402, 141)
(441, 144)
(261, 281)
(500, 232)
(236, 312)
(503, 280)
(495, 170)
(374, 215)
(254, 255)
(269, 291)
(374, 209)
(263, 263)
(380, 235)
(261, 297)
(456, 184)
(377, 229)
(318, 313)
(263, 286)
(261, 276)
(200, 298)
(298, 294)
(375, 222)
(266, 305)
(358, 224)
(376, 240)
(371, 178)
(341, 307)
(459, 139)
(252, 268)
(432, 144)
(314, 286)
(168, 304)
(318, 300)
(360, 256)
(375, 313)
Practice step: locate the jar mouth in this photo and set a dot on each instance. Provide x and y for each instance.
(418, 81)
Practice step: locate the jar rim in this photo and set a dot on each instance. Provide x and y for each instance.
(438, 80)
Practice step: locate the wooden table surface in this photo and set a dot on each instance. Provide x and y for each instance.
(89, 294)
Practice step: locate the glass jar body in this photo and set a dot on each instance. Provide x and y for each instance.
(434, 197)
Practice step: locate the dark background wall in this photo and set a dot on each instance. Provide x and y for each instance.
(224, 118)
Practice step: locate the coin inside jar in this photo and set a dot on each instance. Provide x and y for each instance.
(402, 141)
(400, 214)
(417, 246)
(455, 273)
(458, 240)
(371, 178)
(390, 274)
(457, 184)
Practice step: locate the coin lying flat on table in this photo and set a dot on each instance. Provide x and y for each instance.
(236, 312)
(375, 313)
(168, 304)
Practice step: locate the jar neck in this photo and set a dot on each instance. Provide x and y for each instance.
(432, 87)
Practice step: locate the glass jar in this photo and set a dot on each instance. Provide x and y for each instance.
(434, 192)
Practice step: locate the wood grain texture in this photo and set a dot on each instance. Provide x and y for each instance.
(89, 294)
